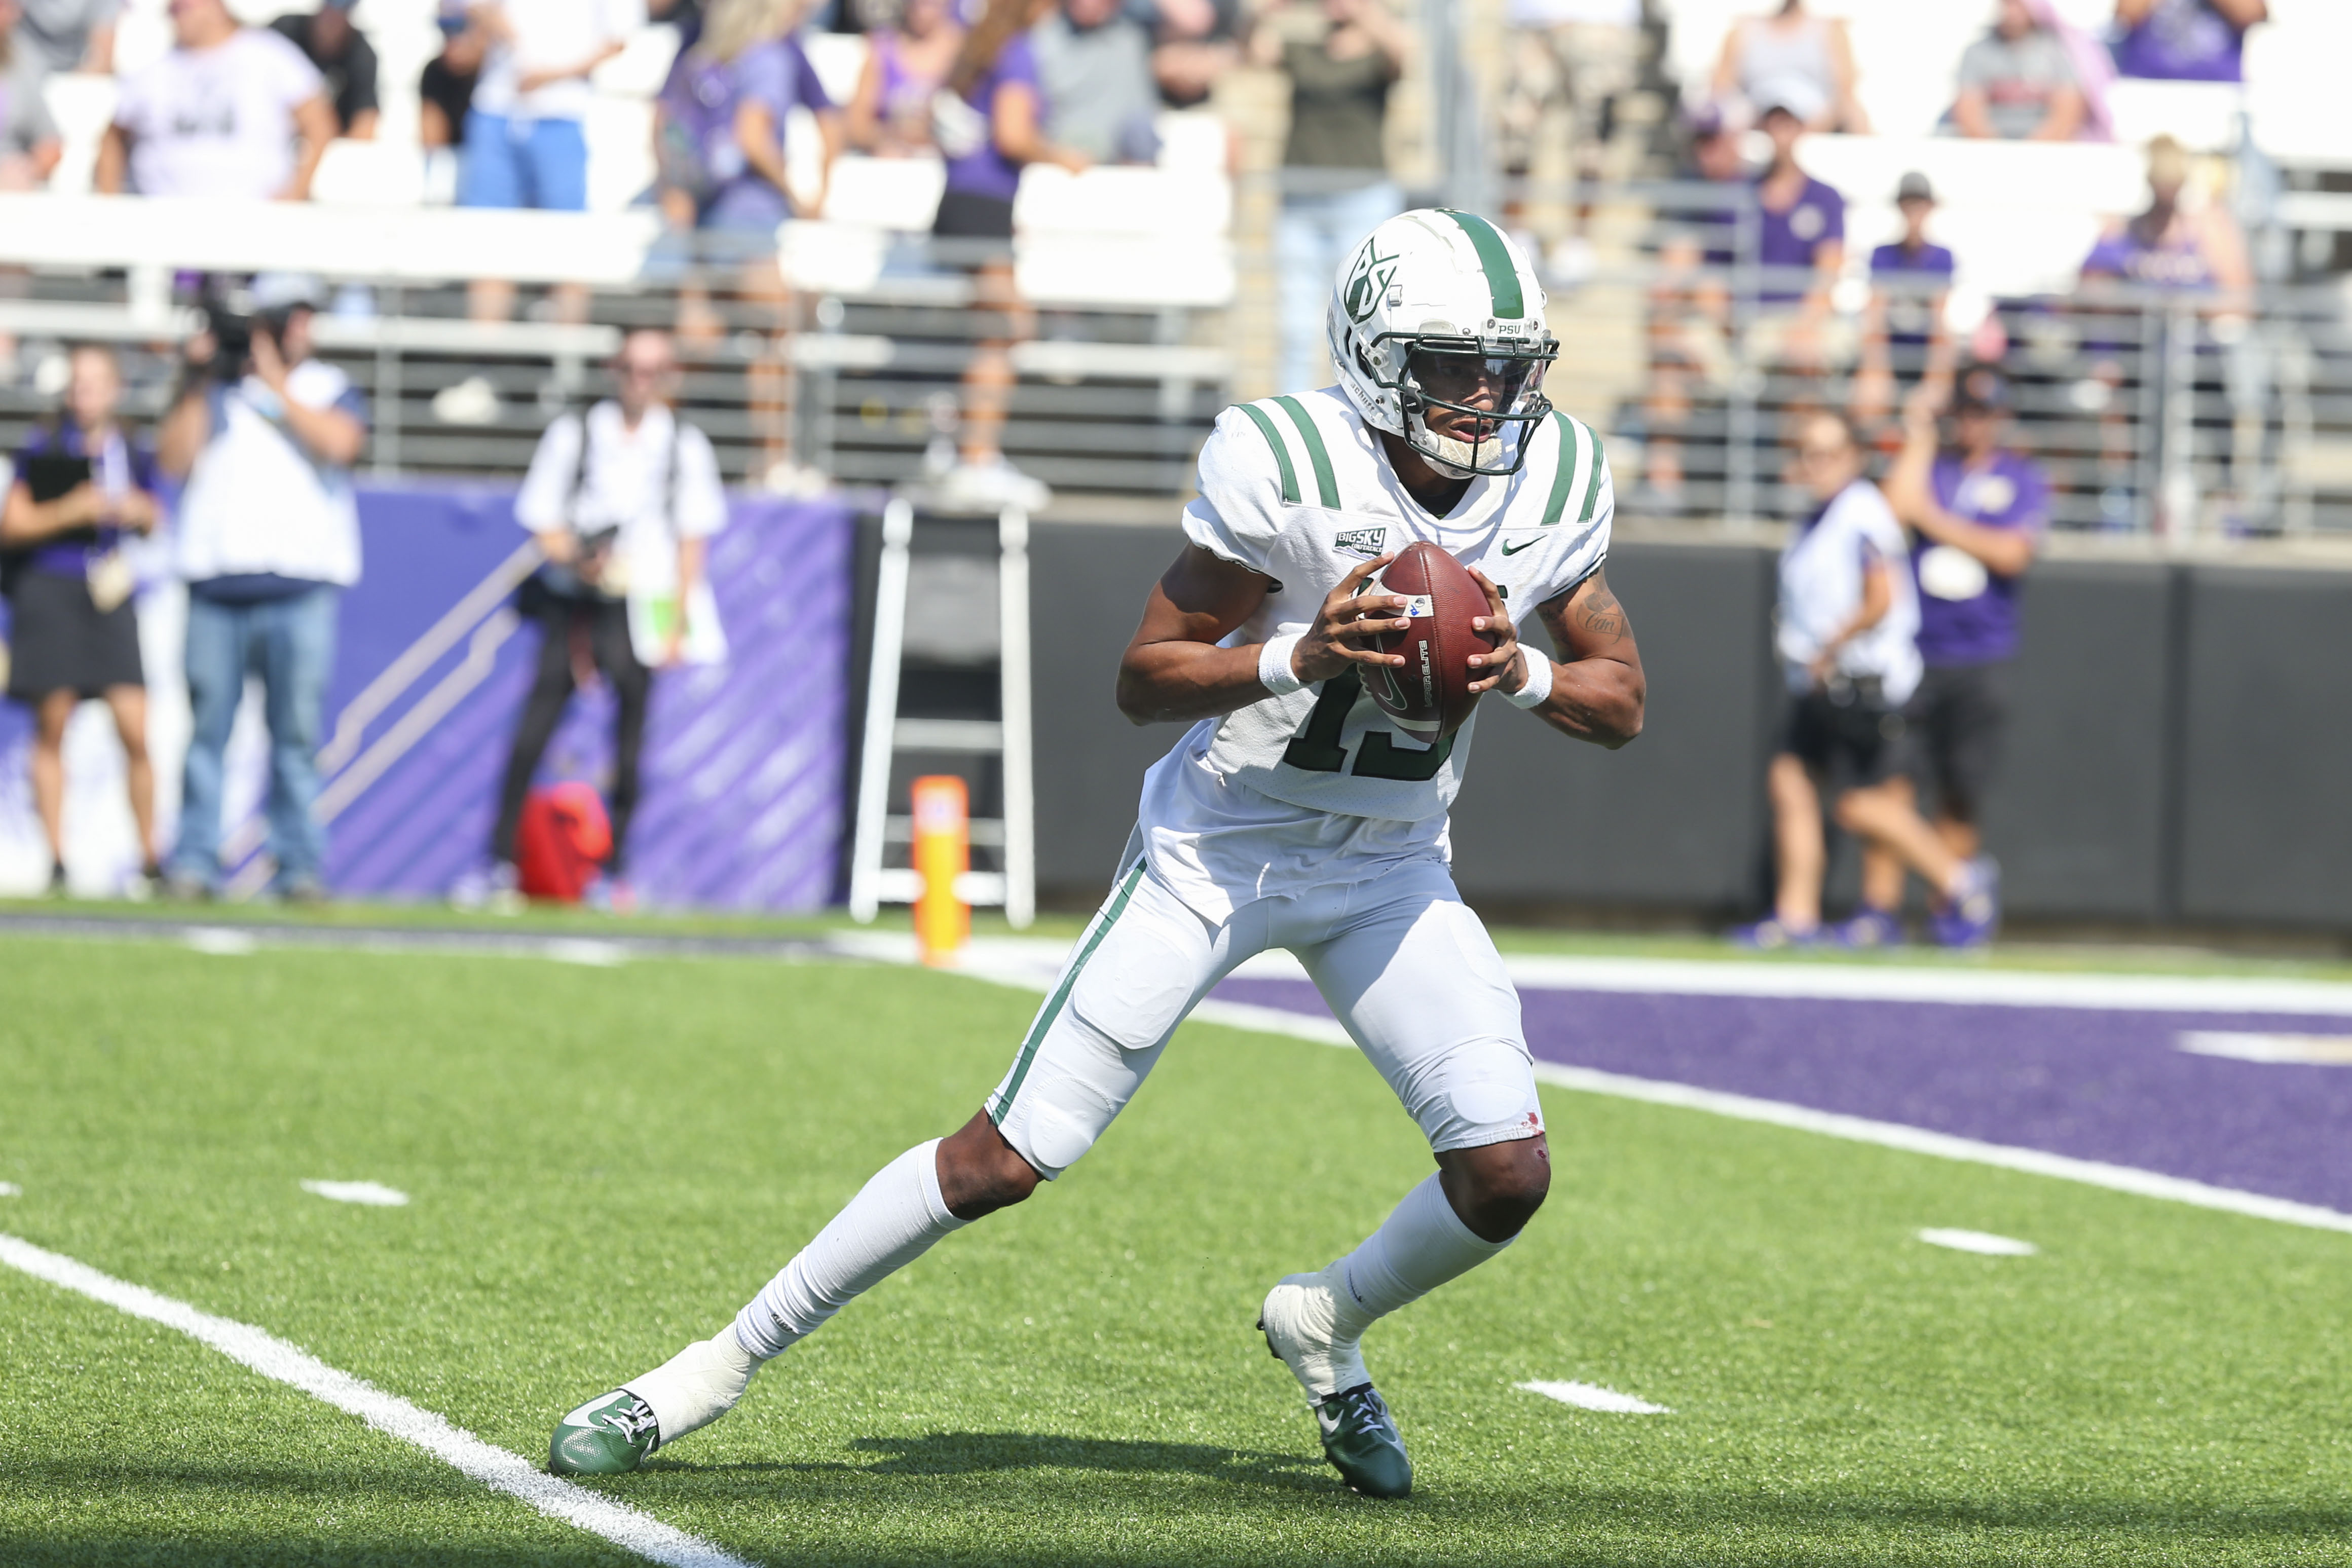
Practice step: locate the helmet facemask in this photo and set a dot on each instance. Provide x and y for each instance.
(1491, 390)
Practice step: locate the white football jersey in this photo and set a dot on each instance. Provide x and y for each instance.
(1298, 489)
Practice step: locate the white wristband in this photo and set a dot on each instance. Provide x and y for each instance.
(1539, 686)
(1273, 671)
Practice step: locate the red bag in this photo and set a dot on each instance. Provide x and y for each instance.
(561, 841)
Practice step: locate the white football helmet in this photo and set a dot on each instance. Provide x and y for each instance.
(1438, 309)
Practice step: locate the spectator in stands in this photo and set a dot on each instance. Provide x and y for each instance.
(1903, 336)
(721, 119)
(1568, 62)
(345, 59)
(29, 144)
(1793, 57)
(524, 145)
(1846, 622)
(912, 45)
(2017, 83)
(2175, 242)
(624, 500)
(267, 536)
(988, 121)
(445, 92)
(1689, 320)
(1094, 74)
(1977, 511)
(1197, 42)
(70, 35)
(1800, 244)
(2186, 40)
(1342, 58)
(74, 629)
(231, 111)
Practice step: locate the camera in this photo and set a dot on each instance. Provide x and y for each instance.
(232, 333)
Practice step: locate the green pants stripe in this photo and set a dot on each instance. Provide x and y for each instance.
(1062, 994)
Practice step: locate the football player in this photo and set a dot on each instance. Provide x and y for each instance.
(1292, 814)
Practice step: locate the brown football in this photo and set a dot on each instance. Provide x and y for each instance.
(1429, 697)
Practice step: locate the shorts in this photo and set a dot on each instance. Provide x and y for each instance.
(538, 163)
(1403, 963)
(1958, 719)
(1850, 744)
(60, 641)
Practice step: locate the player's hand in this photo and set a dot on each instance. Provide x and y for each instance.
(1506, 666)
(1347, 615)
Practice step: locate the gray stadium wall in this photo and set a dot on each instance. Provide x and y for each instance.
(2181, 752)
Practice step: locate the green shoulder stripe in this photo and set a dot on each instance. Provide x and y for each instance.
(1326, 485)
(1563, 469)
(1495, 259)
(1281, 453)
(1592, 486)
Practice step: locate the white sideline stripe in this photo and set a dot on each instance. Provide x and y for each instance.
(11, 1190)
(2304, 1050)
(374, 1193)
(273, 1358)
(220, 942)
(1980, 1241)
(1036, 960)
(1592, 1396)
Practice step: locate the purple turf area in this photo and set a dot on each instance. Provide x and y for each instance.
(2097, 1084)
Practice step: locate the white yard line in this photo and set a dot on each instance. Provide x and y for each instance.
(273, 1358)
(1592, 1396)
(1979, 1241)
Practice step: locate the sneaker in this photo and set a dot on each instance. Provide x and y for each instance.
(1299, 1320)
(1974, 912)
(609, 895)
(57, 888)
(496, 888)
(183, 888)
(1771, 933)
(1361, 1441)
(614, 1433)
(1869, 928)
(609, 1436)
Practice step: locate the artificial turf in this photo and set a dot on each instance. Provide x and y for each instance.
(605, 1162)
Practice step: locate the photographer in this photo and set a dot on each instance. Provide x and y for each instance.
(268, 533)
(622, 499)
(81, 487)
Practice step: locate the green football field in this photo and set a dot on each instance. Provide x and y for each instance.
(605, 1162)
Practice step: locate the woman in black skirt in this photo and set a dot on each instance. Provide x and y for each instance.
(81, 488)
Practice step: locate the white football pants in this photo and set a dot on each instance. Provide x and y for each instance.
(1401, 961)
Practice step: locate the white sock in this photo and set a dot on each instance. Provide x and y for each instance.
(696, 1386)
(892, 1221)
(1418, 1247)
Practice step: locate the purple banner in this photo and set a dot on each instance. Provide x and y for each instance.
(742, 803)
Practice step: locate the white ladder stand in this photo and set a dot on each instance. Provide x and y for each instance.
(872, 884)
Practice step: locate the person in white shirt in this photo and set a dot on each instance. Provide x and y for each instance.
(623, 500)
(1849, 623)
(230, 112)
(524, 146)
(267, 537)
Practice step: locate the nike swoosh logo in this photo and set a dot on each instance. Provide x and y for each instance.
(1524, 544)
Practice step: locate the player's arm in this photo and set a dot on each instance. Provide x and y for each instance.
(1174, 668)
(2006, 552)
(1598, 690)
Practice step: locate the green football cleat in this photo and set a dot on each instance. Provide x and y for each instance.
(609, 1436)
(1361, 1441)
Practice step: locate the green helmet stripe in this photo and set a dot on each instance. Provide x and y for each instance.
(1502, 277)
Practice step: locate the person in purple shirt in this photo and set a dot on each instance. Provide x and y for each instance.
(988, 121)
(1800, 245)
(2185, 40)
(1903, 339)
(75, 630)
(1977, 512)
